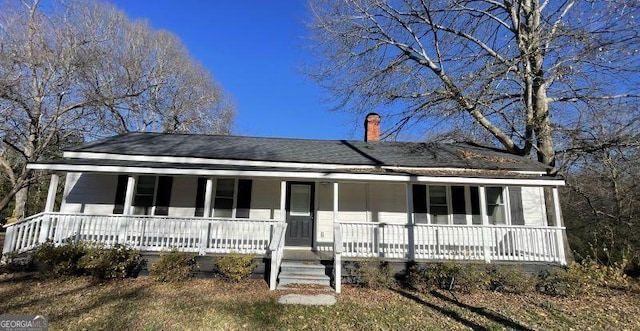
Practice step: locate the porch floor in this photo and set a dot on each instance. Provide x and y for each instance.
(306, 255)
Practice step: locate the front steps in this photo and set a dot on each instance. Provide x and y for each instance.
(303, 272)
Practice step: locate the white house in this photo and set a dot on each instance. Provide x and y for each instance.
(350, 199)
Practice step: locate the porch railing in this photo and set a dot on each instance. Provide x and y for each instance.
(451, 242)
(146, 233)
(277, 252)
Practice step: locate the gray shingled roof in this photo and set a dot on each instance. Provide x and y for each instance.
(402, 154)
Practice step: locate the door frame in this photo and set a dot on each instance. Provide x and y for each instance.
(313, 205)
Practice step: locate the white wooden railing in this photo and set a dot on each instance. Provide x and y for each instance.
(450, 242)
(277, 252)
(146, 233)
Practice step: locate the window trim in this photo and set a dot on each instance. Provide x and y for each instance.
(236, 188)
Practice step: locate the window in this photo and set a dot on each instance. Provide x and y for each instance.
(438, 205)
(152, 195)
(143, 198)
(300, 200)
(495, 205)
(223, 205)
(121, 191)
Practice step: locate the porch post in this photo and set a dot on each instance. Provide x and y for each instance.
(206, 213)
(128, 197)
(485, 223)
(45, 226)
(337, 243)
(128, 201)
(558, 224)
(283, 200)
(410, 226)
(208, 192)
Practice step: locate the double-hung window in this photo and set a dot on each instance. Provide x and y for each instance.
(231, 197)
(496, 205)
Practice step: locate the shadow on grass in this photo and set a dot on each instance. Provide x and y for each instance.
(112, 309)
(32, 285)
(488, 313)
(450, 313)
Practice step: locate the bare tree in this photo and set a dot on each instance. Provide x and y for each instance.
(82, 70)
(512, 69)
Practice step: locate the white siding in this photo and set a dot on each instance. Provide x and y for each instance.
(533, 206)
(265, 199)
(324, 216)
(387, 203)
(352, 202)
(89, 193)
(183, 196)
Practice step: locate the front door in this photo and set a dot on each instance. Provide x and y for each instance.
(300, 214)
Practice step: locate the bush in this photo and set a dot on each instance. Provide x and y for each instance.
(584, 278)
(174, 266)
(511, 279)
(374, 274)
(463, 277)
(14, 263)
(60, 260)
(235, 266)
(116, 262)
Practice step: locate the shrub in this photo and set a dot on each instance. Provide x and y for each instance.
(463, 277)
(60, 260)
(116, 262)
(584, 278)
(235, 266)
(510, 279)
(374, 274)
(174, 266)
(13, 263)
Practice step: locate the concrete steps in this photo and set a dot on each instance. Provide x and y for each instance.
(303, 272)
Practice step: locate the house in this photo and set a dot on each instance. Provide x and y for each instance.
(343, 199)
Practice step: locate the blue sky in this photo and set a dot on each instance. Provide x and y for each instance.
(255, 50)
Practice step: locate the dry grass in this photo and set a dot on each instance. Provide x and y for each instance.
(209, 304)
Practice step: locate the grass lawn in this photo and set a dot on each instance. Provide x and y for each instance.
(209, 304)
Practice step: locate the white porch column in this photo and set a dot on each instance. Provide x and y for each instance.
(558, 224)
(48, 208)
(335, 202)
(411, 243)
(128, 201)
(283, 200)
(206, 213)
(485, 222)
(128, 197)
(51, 196)
(208, 192)
(337, 242)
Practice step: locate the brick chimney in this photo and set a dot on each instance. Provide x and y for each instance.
(372, 127)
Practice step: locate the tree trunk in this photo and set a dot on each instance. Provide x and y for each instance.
(20, 210)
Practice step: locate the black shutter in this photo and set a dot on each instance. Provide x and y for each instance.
(515, 202)
(420, 199)
(163, 195)
(121, 191)
(243, 205)
(200, 194)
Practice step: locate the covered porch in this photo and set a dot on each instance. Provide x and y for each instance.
(345, 216)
